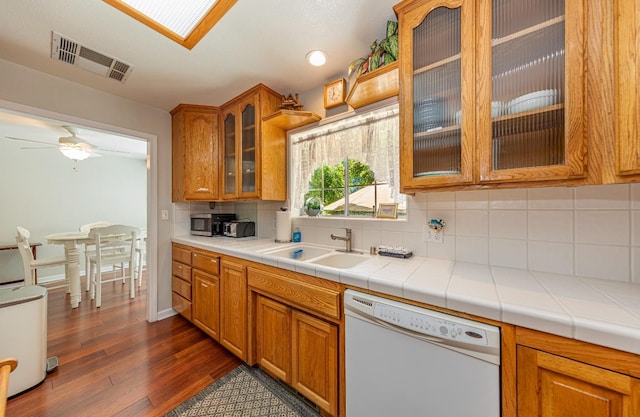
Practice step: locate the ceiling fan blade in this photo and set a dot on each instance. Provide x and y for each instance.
(32, 141)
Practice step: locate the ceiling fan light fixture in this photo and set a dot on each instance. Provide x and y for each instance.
(316, 58)
(75, 154)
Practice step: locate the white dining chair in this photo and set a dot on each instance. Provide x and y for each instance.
(141, 253)
(30, 265)
(114, 245)
(89, 247)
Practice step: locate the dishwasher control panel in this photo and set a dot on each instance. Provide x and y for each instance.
(428, 323)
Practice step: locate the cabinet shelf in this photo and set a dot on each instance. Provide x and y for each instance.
(291, 119)
(375, 86)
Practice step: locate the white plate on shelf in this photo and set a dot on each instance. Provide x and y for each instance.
(498, 108)
(532, 101)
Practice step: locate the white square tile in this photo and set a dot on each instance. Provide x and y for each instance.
(472, 249)
(509, 224)
(552, 198)
(602, 227)
(635, 265)
(441, 201)
(445, 250)
(635, 195)
(472, 290)
(472, 200)
(429, 282)
(551, 225)
(415, 242)
(603, 197)
(510, 253)
(551, 257)
(512, 199)
(472, 223)
(605, 262)
(416, 219)
(635, 228)
(527, 303)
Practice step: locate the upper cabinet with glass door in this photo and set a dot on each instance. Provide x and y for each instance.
(254, 153)
(492, 92)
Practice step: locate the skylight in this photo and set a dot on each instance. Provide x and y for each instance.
(184, 21)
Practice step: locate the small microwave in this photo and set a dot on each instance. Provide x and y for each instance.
(210, 224)
(239, 229)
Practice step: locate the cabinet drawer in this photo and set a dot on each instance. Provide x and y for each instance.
(181, 287)
(205, 262)
(181, 255)
(181, 271)
(306, 296)
(181, 305)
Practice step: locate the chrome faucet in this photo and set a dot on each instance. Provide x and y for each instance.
(347, 240)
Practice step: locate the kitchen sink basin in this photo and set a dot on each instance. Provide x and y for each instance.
(340, 260)
(291, 252)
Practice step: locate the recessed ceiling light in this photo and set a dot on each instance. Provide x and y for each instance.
(316, 58)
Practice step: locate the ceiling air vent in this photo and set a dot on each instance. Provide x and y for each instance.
(69, 51)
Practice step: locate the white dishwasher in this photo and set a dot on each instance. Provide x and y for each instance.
(407, 361)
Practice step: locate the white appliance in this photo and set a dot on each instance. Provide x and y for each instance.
(23, 326)
(407, 361)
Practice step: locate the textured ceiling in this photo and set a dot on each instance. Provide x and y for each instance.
(257, 41)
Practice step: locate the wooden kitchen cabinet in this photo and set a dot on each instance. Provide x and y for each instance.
(254, 154)
(181, 280)
(315, 360)
(290, 341)
(206, 303)
(273, 337)
(233, 308)
(627, 92)
(492, 93)
(550, 385)
(557, 376)
(194, 153)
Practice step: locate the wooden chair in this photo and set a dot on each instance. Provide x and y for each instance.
(6, 367)
(30, 265)
(115, 245)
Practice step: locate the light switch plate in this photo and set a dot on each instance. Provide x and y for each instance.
(164, 214)
(432, 235)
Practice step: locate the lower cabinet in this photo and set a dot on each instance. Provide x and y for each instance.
(206, 303)
(298, 347)
(550, 385)
(233, 308)
(314, 370)
(564, 377)
(181, 280)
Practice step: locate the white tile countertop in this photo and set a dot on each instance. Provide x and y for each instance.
(602, 312)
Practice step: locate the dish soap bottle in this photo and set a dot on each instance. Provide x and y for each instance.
(297, 236)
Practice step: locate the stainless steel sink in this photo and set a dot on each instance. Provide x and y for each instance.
(340, 260)
(291, 252)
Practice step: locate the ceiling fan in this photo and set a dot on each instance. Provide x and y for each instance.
(73, 147)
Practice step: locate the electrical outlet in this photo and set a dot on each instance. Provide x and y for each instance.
(164, 214)
(432, 235)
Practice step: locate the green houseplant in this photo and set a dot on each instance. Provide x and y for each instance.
(382, 53)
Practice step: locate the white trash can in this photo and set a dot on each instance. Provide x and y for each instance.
(23, 326)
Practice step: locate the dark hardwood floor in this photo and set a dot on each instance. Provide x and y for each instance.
(115, 363)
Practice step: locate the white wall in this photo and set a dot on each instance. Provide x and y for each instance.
(45, 195)
(27, 87)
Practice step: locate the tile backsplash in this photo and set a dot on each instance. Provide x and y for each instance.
(591, 231)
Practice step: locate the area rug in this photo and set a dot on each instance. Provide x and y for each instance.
(244, 392)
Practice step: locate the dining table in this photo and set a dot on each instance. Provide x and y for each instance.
(71, 240)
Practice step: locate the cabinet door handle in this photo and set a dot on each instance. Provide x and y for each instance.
(204, 285)
(203, 189)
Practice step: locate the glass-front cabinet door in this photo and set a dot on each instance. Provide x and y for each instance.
(492, 91)
(229, 158)
(437, 96)
(241, 148)
(531, 101)
(248, 151)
